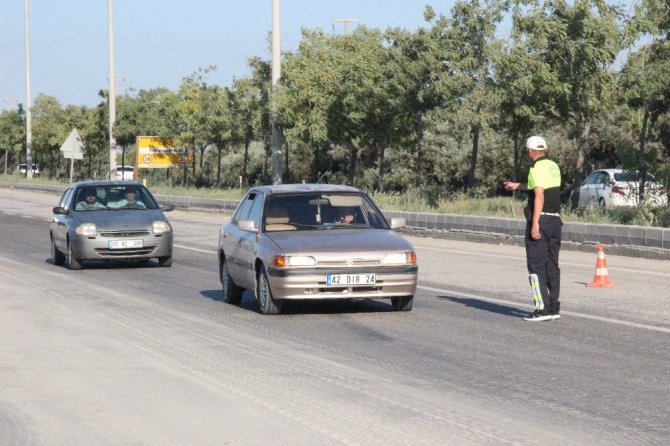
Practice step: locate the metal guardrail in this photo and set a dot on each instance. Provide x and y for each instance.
(629, 240)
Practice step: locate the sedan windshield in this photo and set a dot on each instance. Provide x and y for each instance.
(117, 197)
(310, 211)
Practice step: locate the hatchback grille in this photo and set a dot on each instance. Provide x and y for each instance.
(352, 262)
(128, 252)
(126, 233)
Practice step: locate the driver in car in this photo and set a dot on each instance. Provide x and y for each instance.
(131, 201)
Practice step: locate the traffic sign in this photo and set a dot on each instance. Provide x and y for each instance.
(73, 147)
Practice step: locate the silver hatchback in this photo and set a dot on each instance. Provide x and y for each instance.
(314, 241)
(109, 220)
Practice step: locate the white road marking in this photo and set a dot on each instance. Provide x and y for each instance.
(567, 313)
(523, 258)
(205, 251)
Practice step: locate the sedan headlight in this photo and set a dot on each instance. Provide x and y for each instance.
(160, 227)
(284, 261)
(400, 258)
(87, 230)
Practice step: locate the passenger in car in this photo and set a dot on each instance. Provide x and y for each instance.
(88, 200)
(277, 218)
(131, 201)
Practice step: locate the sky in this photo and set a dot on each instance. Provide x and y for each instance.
(159, 42)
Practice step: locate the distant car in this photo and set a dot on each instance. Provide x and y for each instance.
(314, 241)
(125, 173)
(618, 187)
(109, 220)
(21, 169)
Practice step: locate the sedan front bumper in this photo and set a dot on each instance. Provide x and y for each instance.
(312, 283)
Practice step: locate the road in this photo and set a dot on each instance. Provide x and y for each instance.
(129, 355)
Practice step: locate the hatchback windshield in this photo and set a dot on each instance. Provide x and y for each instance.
(96, 198)
(311, 211)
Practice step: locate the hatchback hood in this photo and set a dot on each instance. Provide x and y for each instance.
(339, 241)
(122, 219)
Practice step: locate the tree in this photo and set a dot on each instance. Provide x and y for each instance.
(644, 78)
(416, 68)
(472, 48)
(49, 130)
(12, 134)
(577, 42)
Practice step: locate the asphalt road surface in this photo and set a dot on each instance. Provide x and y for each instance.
(142, 355)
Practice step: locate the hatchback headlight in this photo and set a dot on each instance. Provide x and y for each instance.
(400, 258)
(284, 261)
(87, 230)
(160, 227)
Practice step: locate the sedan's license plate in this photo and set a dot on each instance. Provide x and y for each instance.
(124, 244)
(350, 279)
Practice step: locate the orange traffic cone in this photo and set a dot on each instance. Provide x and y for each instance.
(601, 279)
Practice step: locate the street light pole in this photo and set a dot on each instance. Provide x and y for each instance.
(29, 135)
(276, 74)
(112, 90)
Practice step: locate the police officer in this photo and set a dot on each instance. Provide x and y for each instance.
(543, 230)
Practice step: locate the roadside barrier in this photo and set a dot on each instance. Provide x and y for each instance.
(602, 278)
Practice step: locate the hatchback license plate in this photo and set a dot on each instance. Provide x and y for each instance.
(351, 279)
(124, 244)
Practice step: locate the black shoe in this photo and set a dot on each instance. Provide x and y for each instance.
(555, 316)
(537, 317)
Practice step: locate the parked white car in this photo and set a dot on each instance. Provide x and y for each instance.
(21, 169)
(125, 173)
(618, 187)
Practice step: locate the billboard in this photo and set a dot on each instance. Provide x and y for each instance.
(155, 152)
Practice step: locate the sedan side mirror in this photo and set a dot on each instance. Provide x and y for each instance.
(247, 225)
(59, 210)
(398, 222)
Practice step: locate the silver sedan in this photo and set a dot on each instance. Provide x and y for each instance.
(109, 220)
(314, 241)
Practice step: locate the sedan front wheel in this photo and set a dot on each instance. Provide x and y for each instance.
(264, 294)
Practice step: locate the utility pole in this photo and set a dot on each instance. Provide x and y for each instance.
(276, 74)
(29, 134)
(112, 90)
(346, 23)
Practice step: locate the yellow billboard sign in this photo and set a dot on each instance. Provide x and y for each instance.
(154, 152)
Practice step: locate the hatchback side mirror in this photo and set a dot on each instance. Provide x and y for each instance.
(167, 207)
(59, 210)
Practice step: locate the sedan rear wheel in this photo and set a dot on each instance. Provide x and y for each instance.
(264, 294)
(57, 257)
(232, 293)
(402, 303)
(73, 262)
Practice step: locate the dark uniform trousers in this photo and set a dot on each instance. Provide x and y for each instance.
(542, 258)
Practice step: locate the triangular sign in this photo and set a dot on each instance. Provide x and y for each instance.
(73, 147)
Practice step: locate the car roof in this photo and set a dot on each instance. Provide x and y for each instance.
(304, 188)
(100, 183)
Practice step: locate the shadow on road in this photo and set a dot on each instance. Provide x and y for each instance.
(486, 306)
(326, 306)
